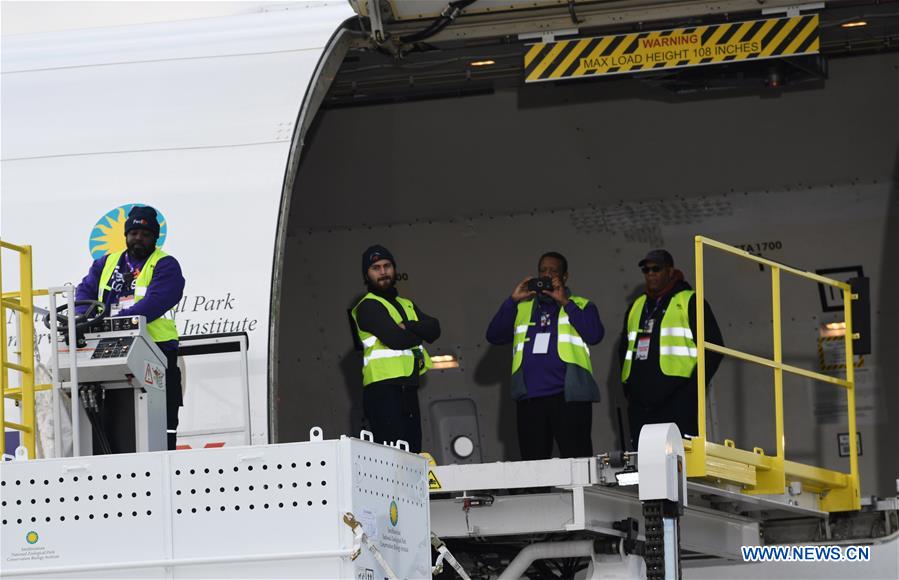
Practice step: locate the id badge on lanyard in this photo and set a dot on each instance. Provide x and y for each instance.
(645, 339)
(125, 302)
(122, 304)
(541, 343)
(643, 347)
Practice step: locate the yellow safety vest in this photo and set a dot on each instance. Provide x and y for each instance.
(162, 329)
(380, 362)
(677, 351)
(572, 348)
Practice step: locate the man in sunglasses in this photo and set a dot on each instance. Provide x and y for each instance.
(658, 349)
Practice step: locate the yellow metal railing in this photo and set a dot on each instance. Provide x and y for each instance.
(22, 304)
(756, 472)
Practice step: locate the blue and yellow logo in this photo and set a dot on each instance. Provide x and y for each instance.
(394, 513)
(31, 537)
(108, 234)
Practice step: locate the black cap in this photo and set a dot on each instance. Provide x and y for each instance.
(660, 257)
(373, 254)
(142, 217)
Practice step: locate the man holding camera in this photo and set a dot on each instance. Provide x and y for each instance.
(391, 330)
(658, 352)
(552, 376)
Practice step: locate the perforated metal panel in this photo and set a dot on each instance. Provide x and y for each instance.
(260, 511)
(390, 494)
(279, 497)
(63, 510)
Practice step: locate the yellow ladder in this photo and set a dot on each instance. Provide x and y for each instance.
(20, 302)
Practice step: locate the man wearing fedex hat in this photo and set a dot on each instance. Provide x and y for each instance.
(143, 281)
(658, 349)
(391, 330)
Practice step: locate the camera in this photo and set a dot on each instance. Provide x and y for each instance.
(538, 284)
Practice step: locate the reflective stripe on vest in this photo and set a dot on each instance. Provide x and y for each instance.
(162, 329)
(572, 348)
(379, 362)
(677, 351)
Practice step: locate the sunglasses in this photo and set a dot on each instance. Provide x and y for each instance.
(653, 269)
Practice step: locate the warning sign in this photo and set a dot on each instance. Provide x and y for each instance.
(148, 375)
(832, 354)
(433, 482)
(154, 375)
(675, 48)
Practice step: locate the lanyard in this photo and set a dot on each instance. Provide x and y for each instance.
(546, 313)
(133, 273)
(649, 319)
(131, 266)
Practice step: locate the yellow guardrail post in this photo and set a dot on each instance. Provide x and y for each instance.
(850, 496)
(26, 346)
(778, 358)
(700, 341)
(848, 297)
(773, 481)
(696, 456)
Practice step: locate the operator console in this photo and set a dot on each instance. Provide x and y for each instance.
(121, 383)
(115, 350)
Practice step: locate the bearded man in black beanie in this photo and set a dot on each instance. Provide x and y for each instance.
(143, 281)
(391, 330)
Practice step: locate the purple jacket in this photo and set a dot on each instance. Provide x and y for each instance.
(544, 374)
(164, 292)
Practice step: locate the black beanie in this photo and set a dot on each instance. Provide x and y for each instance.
(142, 217)
(372, 254)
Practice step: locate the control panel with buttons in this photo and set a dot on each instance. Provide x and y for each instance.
(113, 347)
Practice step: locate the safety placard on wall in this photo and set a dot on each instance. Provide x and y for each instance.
(843, 444)
(675, 48)
(832, 354)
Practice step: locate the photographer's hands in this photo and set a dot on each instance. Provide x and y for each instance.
(558, 292)
(521, 291)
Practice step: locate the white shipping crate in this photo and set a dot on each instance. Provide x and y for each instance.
(260, 511)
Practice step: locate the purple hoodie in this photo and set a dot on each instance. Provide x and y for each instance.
(164, 292)
(544, 374)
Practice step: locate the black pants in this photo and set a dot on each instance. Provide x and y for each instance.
(173, 396)
(392, 412)
(545, 419)
(680, 408)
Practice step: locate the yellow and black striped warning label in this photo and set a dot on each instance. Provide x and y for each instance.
(832, 354)
(676, 48)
